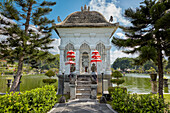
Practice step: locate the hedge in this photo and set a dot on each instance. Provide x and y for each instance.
(38, 100)
(49, 81)
(124, 102)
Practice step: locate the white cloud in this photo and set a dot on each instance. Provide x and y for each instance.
(119, 54)
(55, 45)
(121, 35)
(108, 9)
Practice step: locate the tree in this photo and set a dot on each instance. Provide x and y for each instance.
(23, 39)
(117, 75)
(123, 63)
(148, 34)
(148, 65)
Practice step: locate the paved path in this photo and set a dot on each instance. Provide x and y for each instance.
(82, 106)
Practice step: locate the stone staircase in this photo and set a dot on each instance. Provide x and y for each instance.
(83, 88)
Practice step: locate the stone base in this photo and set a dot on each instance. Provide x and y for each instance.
(72, 91)
(93, 91)
(154, 87)
(62, 99)
(103, 100)
(105, 78)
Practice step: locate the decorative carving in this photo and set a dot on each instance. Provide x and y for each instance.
(111, 19)
(58, 19)
(88, 8)
(85, 8)
(82, 8)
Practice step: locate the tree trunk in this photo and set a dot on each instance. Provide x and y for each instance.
(18, 75)
(160, 70)
(28, 17)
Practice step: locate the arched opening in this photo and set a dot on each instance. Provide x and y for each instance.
(67, 48)
(84, 58)
(101, 49)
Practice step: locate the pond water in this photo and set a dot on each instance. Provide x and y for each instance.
(135, 83)
(28, 82)
(139, 83)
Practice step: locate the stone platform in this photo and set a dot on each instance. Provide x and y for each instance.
(82, 106)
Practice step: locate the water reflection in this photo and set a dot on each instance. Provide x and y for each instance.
(138, 83)
(27, 82)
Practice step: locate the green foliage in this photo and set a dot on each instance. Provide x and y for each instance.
(118, 81)
(50, 73)
(28, 31)
(8, 72)
(38, 100)
(148, 34)
(117, 75)
(112, 89)
(123, 63)
(148, 65)
(152, 70)
(49, 81)
(123, 102)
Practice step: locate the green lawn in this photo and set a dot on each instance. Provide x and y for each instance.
(167, 98)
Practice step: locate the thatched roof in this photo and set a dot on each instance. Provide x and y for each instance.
(85, 19)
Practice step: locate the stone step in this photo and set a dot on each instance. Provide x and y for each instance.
(82, 96)
(88, 89)
(83, 91)
(83, 82)
(84, 79)
(82, 87)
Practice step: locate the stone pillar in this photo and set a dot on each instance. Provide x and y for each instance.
(108, 66)
(77, 60)
(93, 91)
(154, 87)
(61, 60)
(105, 85)
(72, 91)
(60, 84)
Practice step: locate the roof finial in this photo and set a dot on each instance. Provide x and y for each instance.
(82, 8)
(58, 19)
(88, 8)
(111, 19)
(85, 7)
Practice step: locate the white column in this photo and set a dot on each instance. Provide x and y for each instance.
(92, 48)
(61, 60)
(77, 61)
(108, 66)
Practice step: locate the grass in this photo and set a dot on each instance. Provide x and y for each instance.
(167, 98)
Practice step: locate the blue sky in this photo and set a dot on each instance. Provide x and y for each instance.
(108, 8)
(115, 8)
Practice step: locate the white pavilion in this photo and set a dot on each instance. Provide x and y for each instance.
(83, 32)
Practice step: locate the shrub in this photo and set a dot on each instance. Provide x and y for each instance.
(117, 81)
(112, 89)
(50, 73)
(117, 75)
(8, 72)
(49, 81)
(133, 103)
(38, 100)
